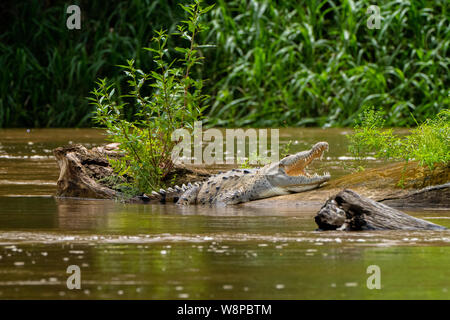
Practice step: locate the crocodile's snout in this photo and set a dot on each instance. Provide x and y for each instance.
(296, 165)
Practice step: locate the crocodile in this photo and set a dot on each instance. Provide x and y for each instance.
(242, 185)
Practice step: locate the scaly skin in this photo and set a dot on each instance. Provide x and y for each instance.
(243, 185)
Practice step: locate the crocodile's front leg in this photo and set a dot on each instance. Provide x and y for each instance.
(189, 196)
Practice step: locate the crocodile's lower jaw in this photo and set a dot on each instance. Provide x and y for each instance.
(272, 192)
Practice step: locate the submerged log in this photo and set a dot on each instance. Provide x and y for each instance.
(350, 211)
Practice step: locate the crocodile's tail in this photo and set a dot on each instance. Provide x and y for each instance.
(169, 195)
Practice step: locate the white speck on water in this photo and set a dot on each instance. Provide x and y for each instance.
(311, 250)
(333, 285)
(163, 252)
(227, 287)
(86, 291)
(52, 279)
(65, 259)
(183, 295)
(262, 245)
(76, 251)
(279, 286)
(338, 240)
(62, 293)
(120, 292)
(19, 263)
(178, 288)
(207, 238)
(85, 265)
(351, 284)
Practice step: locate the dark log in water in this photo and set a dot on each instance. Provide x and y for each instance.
(350, 211)
(430, 197)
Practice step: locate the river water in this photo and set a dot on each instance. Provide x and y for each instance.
(129, 251)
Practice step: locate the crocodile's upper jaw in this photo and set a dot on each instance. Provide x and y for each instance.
(290, 174)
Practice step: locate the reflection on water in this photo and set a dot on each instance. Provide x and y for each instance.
(168, 252)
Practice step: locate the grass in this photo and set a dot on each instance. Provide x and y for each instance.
(428, 143)
(48, 70)
(276, 63)
(316, 63)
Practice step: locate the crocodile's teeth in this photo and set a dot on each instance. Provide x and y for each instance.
(170, 189)
(184, 187)
(162, 191)
(155, 193)
(178, 188)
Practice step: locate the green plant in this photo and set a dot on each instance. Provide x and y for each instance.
(428, 143)
(277, 63)
(308, 63)
(174, 102)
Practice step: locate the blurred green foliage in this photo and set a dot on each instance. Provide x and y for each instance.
(276, 63)
(428, 143)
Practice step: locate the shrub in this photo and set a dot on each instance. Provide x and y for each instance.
(174, 102)
(428, 143)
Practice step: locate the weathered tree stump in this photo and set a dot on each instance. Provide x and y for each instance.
(81, 169)
(348, 211)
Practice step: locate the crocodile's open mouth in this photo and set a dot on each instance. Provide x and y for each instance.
(298, 166)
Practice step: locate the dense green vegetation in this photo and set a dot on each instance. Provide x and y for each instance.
(147, 141)
(428, 143)
(275, 63)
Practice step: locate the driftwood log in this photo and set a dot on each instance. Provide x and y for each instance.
(431, 197)
(81, 171)
(350, 211)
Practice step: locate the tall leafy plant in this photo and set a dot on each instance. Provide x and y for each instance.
(175, 101)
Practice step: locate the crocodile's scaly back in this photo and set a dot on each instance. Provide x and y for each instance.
(241, 185)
